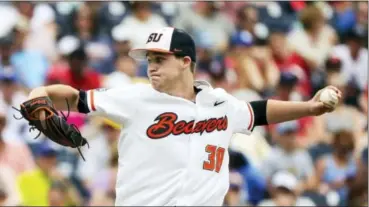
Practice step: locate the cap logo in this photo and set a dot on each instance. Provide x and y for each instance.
(154, 37)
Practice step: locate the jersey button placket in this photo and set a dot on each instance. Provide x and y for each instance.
(187, 174)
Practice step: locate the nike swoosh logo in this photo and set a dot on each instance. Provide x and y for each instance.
(218, 103)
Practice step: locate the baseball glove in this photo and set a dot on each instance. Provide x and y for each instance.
(54, 126)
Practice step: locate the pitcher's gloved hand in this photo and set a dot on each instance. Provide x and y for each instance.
(42, 115)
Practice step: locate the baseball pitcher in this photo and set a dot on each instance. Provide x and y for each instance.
(173, 149)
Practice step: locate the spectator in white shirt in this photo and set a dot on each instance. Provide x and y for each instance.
(354, 58)
(315, 39)
(11, 95)
(126, 69)
(209, 27)
(141, 22)
(284, 192)
(288, 156)
(103, 136)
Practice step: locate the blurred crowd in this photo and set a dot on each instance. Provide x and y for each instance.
(254, 50)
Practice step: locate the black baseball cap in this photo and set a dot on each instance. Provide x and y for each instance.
(288, 79)
(167, 40)
(355, 35)
(79, 54)
(333, 64)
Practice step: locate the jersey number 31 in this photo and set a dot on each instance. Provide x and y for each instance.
(215, 159)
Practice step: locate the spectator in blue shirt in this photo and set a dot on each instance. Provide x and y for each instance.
(29, 66)
(254, 183)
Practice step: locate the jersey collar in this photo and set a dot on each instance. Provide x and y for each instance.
(201, 84)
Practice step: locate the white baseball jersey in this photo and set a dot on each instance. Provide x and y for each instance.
(172, 151)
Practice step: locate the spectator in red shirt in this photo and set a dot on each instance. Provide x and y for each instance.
(76, 73)
(289, 61)
(287, 91)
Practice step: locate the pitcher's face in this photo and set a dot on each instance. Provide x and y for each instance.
(163, 69)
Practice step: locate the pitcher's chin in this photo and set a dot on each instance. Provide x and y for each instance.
(155, 83)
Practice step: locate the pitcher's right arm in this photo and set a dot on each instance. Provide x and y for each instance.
(59, 93)
(119, 104)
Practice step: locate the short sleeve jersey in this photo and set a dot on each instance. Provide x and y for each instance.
(172, 151)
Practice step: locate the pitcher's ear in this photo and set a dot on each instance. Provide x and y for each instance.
(186, 62)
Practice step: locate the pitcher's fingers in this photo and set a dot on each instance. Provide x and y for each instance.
(335, 89)
(339, 96)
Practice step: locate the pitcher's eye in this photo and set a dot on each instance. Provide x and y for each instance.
(159, 60)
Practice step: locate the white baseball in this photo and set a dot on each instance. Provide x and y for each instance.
(329, 97)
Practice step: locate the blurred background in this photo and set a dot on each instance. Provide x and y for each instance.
(279, 50)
